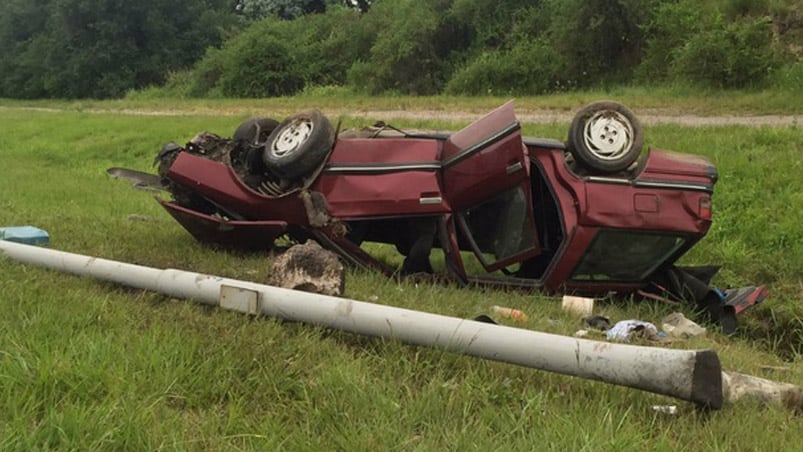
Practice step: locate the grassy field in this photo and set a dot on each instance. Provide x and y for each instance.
(86, 365)
(668, 99)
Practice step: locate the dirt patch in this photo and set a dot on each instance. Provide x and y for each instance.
(542, 116)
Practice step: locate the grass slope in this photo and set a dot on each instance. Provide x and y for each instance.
(86, 365)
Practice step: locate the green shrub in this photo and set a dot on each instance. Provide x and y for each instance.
(789, 78)
(206, 73)
(177, 86)
(492, 25)
(279, 57)
(330, 43)
(734, 55)
(259, 63)
(600, 41)
(672, 25)
(412, 49)
(529, 68)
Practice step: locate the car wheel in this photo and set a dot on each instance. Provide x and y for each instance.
(255, 130)
(605, 137)
(299, 144)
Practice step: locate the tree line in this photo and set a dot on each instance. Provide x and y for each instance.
(264, 48)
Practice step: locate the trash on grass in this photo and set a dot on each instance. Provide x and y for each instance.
(597, 322)
(626, 330)
(28, 235)
(578, 305)
(668, 409)
(485, 319)
(677, 325)
(509, 313)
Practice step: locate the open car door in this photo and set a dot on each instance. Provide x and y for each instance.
(486, 179)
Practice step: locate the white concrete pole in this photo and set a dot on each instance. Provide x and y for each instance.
(693, 375)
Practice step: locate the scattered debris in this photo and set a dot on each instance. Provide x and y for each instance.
(598, 322)
(29, 235)
(626, 330)
(509, 313)
(310, 268)
(743, 297)
(139, 179)
(485, 319)
(578, 305)
(677, 325)
(666, 409)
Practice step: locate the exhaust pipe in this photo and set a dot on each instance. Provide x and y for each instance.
(692, 375)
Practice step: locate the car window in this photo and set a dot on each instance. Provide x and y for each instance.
(500, 228)
(625, 255)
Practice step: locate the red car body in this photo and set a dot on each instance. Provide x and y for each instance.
(518, 204)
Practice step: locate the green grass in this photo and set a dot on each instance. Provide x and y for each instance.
(87, 365)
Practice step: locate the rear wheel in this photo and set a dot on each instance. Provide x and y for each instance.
(298, 145)
(255, 131)
(250, 136)
(605, 137)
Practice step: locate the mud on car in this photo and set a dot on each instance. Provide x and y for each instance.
(590, 215)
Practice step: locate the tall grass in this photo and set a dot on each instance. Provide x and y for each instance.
(86, 365)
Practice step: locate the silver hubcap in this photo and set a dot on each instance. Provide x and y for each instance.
(608, 135)
(291, 137)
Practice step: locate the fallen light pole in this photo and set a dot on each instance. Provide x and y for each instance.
(693, 375)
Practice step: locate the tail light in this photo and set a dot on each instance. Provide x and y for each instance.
(704, 209)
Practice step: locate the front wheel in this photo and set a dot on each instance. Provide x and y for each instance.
(298, 145)
(605, 137)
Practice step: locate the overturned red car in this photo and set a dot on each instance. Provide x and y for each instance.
(592, 215)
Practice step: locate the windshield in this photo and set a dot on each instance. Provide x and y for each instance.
(625, 255)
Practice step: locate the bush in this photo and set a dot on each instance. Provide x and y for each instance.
(207, 73)
(734, 55)
(789, 78)
(332, 42)
(529, 68)
(279, 57)
(412, 50)
(492, 25)
(599, 41)
(258, 64)
(672, 25)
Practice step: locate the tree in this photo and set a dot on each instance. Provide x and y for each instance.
(103, 48)
(284, 9)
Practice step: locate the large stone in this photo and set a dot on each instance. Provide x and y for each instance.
(310, 268)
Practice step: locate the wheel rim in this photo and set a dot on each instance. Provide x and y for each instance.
(608, 135)
(291, 137)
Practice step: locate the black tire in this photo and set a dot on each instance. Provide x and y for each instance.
(298, 145)
(605, 137)
(255, 131)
